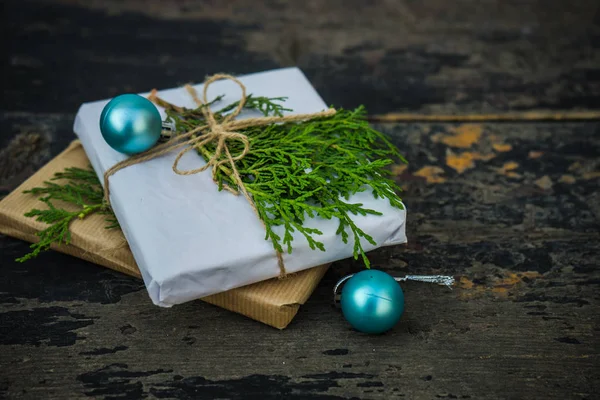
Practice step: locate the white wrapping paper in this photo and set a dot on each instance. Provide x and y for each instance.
(190, 240)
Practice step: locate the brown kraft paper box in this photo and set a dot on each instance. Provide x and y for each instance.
(274, 302)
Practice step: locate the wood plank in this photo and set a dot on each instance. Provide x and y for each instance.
(460, 57)
(510, 209)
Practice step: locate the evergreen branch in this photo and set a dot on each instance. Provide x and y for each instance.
(299, 170)
(82, 191)
(266, 105)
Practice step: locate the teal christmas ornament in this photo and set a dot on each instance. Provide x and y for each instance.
(130, 124)
(372, 301)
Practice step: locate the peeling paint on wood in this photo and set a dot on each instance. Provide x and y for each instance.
(509, 208)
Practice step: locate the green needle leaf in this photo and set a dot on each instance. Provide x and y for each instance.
(82, 190)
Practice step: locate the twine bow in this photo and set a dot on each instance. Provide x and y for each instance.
(213, 131)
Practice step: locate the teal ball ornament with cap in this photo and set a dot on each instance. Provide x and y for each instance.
(130, 124)
(372, 301)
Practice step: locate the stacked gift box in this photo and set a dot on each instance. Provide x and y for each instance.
(187, 239)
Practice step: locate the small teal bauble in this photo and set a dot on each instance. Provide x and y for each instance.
(130, 124)
(372, 301)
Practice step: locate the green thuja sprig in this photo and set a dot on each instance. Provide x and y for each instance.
(298, 171)
(266, 105)
(188, 119)
(82, 190)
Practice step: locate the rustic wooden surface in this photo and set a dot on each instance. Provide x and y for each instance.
(511, 209)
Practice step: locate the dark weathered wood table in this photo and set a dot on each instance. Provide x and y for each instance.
(511, 207)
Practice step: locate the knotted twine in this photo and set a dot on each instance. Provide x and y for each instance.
(214, 131)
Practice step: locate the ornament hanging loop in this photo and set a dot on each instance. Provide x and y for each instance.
(443, 280)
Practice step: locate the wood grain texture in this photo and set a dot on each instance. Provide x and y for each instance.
(438, 57)
(510, 209)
